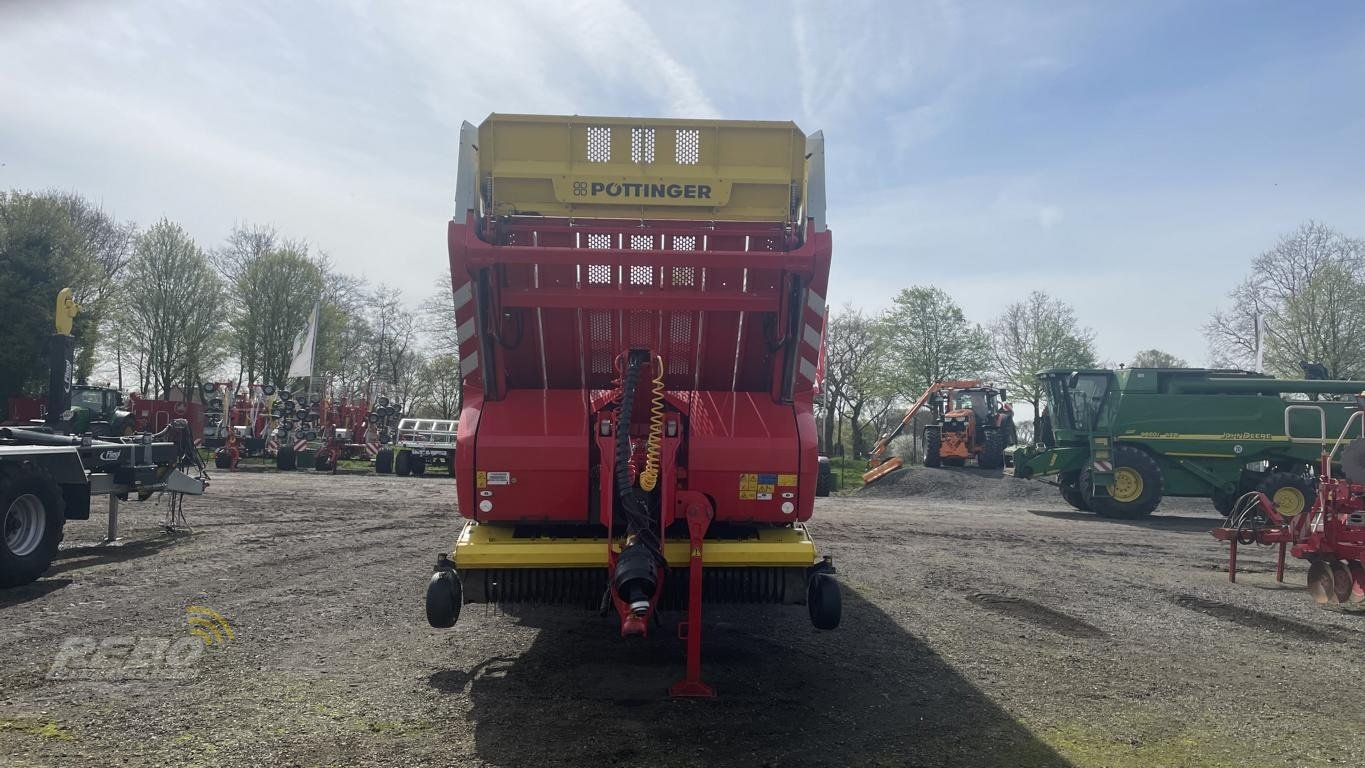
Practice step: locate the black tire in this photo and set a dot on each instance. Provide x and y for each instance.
(418, 466)
(286, 459)
(1224, 502)
(954, 462)
(32, 514)
(1147, 494)
(383, 461)
(1068, 484)
(823, 601)
(932, 441)
(450, 463)
(993, 452)
(444, 595)
(222, 460)
(824, 478)
(1287, 482)
(402, 463)
(324, 461)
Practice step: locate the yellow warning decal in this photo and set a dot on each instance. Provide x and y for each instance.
(481, 479)
(786, 480)
(748, 495)
(748, 482)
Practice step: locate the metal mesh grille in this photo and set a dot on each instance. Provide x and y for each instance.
(684, 277)
(599, 143)
(642, 145)
(684, 242)
(688, 148)
(641, 242)
(599, 336)
(640, 324)
(599, 274)
(679, 342)
(641, 274)
(599, 240)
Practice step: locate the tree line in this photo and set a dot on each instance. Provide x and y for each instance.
(161, 311)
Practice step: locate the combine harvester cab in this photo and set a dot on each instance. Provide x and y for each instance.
(640, 309)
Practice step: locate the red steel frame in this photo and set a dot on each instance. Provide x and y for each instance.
(547, 308)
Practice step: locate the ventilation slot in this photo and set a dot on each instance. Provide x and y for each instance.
(599, 336)
(599, 274)
(687, 151)
(599, 143)
(642, 145)
(679, 342)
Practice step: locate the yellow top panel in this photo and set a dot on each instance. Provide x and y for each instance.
(628, 168)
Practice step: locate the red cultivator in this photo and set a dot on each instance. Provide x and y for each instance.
(1330, 536)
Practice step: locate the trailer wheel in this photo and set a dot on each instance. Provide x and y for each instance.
(993, 454)
(383, 461)
(32, 514)
(222, 460)
(823, 601)
(1290, 493)
(1137, 487)
(932, 441)
(324, 461)
(450, 463)
(286, 459)
(444, 596)
(824, 478)
(1224, 502)
(1071, 492)
(402, 463)
(418, 465)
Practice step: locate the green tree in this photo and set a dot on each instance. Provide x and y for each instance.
(859, 385)
(930, 339)
(1033, 335)
(1155, 358)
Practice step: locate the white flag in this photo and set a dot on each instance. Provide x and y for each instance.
(304, 344)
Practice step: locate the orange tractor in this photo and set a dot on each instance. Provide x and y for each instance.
(971, 421)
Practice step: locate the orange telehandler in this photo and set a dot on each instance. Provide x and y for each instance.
(971, 421)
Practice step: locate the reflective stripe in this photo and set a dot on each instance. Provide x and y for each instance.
(812, 337)
(463, 294)
(816, 302)
(465, 331)
(469, 363)
(808, 369)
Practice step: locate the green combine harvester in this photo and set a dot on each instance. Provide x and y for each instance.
(1116, 442)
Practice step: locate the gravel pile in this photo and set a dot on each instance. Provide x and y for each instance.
(965, 484)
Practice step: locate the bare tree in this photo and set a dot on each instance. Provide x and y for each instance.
(437, 317)
(393, 332)
(171, 319)
(441, 386)
(1034, 335)
(858, 379)
(1155, 358)
(1304, 291)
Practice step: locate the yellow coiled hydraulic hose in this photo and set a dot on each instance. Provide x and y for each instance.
(649, 476)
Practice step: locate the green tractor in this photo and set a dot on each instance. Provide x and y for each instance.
(97, 410)
(1117, 442)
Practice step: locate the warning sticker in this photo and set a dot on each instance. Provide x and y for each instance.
(786, 480)
(499, 478)
(767, 479)
(746, 495)
(481, 479)
(768, 489)
(748, 482)
(765, 495)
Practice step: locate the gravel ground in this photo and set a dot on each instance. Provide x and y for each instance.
(985, 624)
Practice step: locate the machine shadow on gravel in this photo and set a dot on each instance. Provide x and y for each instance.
(76, 558)
(867, 693)
(1172, 523)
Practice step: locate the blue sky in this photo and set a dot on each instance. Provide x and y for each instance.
(1129, 158)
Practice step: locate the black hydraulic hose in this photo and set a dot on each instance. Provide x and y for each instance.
(632, 500)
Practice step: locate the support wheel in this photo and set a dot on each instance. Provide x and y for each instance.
(1073, 496)
(32, 514)
(402, 463)
(1137, 487)
(383, 461)
(932, 441)
(418, 465)
(324, 461)
(1224, 502)
(450, 463)
(1290, 493)
(286, 459)
(222, 460)
(823, 601)
(444, 596)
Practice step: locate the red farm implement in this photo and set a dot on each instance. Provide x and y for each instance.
(639, 306)
(1330, 535)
